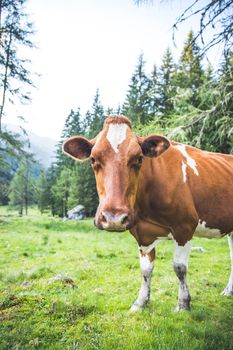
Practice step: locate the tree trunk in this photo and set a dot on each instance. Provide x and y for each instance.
(5, 77)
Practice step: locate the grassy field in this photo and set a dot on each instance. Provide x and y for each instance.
(66, 285)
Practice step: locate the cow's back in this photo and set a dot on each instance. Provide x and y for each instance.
(212, 188)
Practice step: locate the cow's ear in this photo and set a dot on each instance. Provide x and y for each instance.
(78, 147)
(153, 145)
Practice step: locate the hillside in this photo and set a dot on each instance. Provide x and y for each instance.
(42, 147)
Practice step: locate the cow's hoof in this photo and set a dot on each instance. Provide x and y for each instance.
(182, 307)
(227, 292)
(135, 308)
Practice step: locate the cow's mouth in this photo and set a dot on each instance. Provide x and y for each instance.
(113, 227)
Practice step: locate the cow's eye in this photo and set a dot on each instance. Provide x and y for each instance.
(139, 160)
(95, 164)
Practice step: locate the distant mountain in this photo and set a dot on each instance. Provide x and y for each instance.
(42, 147)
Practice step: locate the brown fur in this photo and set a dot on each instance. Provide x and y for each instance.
(155, 197)
(117, 119)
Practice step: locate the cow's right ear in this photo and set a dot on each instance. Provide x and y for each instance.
(78, 147)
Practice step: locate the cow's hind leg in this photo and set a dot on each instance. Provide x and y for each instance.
(229, 288)
(147, 265)
(180, 265)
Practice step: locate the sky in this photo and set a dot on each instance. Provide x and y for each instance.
(83, 45)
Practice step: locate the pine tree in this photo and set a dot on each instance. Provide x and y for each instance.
(153, 94)
(190, 73)
(137, 104)
(22, 188)
(50, 181)
(96, 117)
(166, 88)
(15, 31)
(83, 188)
(73, 126)
(208, 126)
(61, 191)
(216, 128)
(45, 198)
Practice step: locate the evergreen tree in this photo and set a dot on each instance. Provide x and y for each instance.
(166, 89)
(137, 104)
(61, 191)
(190, 74)
(216, 128)
(42, 192)
(83, 188)
(73, 126)
(153, 93)
(64, 166)
(209, 126)
(15, 31)
(95, 118)
(22, 188)
(45, 198)
(50, 180)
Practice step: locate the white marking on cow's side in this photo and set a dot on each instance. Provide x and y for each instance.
(181, 254)
(144, 293)
(190, 161)
(116, 135)
(229, 288)
(147, 249)
(203, 230)
(184, 166)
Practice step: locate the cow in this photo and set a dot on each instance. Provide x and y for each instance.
(158, 189)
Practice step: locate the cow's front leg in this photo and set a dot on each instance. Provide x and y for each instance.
(180, 265)
(147, 265)
(229, 288)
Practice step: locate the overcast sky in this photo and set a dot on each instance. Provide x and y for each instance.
(88, 44)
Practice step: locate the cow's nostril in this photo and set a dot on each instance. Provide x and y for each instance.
(124, 219)
(104, 217)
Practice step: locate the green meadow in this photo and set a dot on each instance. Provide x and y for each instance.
(66, 285)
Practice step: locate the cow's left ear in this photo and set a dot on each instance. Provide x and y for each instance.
(78, 147)
(153, 145)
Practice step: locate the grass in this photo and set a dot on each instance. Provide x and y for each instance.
(66, 285)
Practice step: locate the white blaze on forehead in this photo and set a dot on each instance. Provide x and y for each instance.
(189, 160)
(116, 135)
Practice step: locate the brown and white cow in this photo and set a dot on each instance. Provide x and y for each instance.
(158, 189)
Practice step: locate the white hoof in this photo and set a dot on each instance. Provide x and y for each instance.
(182, 309)
(135, 308)
(228, 291)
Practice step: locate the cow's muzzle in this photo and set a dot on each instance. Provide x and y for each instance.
(108, 221)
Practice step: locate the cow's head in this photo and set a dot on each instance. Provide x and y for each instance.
(117, 156)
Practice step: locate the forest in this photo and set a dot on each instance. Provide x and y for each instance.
(186, 100)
